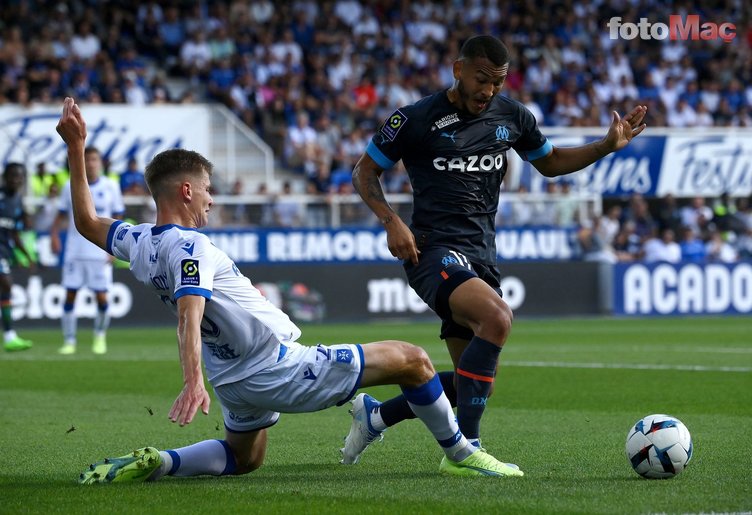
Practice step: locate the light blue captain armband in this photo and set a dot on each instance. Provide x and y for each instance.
(378, 156)
(532, 155)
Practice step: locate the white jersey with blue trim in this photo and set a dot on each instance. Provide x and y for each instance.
(108, 202)
(241, 330)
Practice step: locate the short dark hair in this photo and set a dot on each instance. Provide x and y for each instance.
(174, 164)
(10, 166)
(92, 150)
(487, 47)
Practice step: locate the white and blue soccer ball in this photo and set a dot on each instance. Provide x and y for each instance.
(659, 446)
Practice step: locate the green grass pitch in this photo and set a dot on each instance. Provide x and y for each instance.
(566, 395)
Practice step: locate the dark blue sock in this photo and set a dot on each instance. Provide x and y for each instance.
(397, 409)
(475, 376)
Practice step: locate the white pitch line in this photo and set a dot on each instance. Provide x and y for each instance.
(624, 366)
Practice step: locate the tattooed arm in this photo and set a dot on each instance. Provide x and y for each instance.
(400, 239)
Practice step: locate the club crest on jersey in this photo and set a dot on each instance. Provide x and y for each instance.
(344, 356)
(446, 121)
(393, 124)
(189, 272)
(502, 133)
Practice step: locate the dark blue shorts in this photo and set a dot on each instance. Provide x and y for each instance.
(439, 271)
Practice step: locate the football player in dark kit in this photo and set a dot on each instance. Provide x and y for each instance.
(11, 220)
(453, 145)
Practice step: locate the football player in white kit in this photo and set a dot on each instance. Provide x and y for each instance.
(249, 347)
(85, 264)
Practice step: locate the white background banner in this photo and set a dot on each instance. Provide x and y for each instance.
(118, 131)
(682, 162)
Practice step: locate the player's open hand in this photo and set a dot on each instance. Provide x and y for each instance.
(622, 130)
(71, 126)
(186, 405)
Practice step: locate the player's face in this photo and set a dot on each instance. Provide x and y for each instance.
(14, 179)
(93, 164)
(478, 81)
(202, 199)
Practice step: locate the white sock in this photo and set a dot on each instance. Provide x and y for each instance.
(210, 457)
(10, 335)
(69, 322)
(431, 406)
(376, 421)
(101, 322)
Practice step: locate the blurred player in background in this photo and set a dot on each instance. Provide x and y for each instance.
(453, 145)
(12, 219)
(249, 347)
(84, 263)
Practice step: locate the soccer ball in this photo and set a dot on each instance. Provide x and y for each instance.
(659, 446)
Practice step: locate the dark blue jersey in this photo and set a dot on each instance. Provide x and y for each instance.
(11, 220)
(456, 163)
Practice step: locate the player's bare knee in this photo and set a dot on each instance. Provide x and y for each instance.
(419, 364)
(496, 324)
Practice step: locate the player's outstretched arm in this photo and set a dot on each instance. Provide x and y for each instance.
(400, 239)
(193, 395)
(562, 161)
(72, 129)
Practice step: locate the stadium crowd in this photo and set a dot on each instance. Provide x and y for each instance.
(315, 78)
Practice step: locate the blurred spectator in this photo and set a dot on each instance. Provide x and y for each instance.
(696, 215)
(301, 145)
(744, 211)
(527, 100)
(328, 136)
(85, 45)
(692, 247)
(133, 92)
(222, 46)
(683, 115)
(522, 209)
(48, 210)
(261, 11)
(132, 179)
(609, 224)
(287, 211)
(720, 250)
(287, 47)
(195, 54)
(221, 79)
(238, 213)
(171, 31)
(724, 216)
(260, 214)
(591, 245)
(627, 245)
(669, 214)
(566, 205)
(41, 181)
(703, 118)
(662, 247)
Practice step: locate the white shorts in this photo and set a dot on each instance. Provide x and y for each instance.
(305, 379)
(94, 274)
